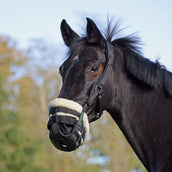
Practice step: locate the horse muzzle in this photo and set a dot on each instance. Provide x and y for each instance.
(68, 124)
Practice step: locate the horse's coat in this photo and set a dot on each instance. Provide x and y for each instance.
(137, 92)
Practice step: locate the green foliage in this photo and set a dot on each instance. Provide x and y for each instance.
(16, 149)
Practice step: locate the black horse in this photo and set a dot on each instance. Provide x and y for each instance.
(104, 74)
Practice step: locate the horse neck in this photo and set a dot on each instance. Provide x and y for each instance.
(142, 115)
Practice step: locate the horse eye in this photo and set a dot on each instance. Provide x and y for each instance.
(94, 69)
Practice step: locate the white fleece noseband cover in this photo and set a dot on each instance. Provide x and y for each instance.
(61, 102)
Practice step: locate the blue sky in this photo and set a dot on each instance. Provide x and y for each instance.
(24, 20)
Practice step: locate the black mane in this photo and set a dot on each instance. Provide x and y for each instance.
(146, 71)
(150, 73)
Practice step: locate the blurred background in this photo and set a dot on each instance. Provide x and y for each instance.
(31, 51)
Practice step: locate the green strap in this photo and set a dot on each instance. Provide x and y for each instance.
(81, 118)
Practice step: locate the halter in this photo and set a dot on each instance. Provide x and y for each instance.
(79, 120)
(98, 89)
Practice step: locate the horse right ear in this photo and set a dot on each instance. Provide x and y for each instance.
(67, 33)
(94, 34)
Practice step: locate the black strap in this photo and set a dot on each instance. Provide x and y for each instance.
(60, 119)
(54, 110)
(98, 89)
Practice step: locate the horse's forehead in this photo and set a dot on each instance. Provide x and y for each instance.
(90, 53)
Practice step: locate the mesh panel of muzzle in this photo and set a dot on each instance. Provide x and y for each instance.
(63, 142)
(73, 106)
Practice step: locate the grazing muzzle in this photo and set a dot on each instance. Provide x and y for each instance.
(68, 124)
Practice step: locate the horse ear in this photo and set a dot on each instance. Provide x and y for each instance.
(94, 34)
(67, 33)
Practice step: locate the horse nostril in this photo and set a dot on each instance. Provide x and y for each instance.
(65, 128)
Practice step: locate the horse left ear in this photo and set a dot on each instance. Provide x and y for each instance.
(67, 33)
(94, 34)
